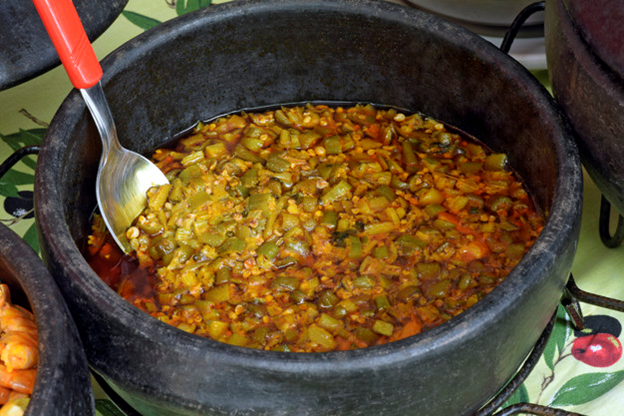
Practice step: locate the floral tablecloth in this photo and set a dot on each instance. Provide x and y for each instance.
(578, 372)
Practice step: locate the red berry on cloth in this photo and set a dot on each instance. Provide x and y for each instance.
(597, 350)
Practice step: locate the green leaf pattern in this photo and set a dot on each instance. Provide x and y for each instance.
(585, 388)
(22, 176)
(105, 407)
(520, 396)
(14, 178)
(559, 336)
(140, 20)
(181, 7)
(24, 138)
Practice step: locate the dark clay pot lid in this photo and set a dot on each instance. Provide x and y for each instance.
(25, 48)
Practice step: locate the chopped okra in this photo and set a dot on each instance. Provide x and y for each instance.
(314, 228)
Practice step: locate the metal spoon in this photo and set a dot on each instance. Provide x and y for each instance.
(123, 176)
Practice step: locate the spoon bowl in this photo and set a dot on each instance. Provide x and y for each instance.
(124, 177)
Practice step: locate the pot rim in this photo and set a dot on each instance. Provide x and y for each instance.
(565, 209)
(58, 341)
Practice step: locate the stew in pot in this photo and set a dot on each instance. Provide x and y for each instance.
(315, 228)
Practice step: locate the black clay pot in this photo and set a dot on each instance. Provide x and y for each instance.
(63, 384)
(586, 68)
(254, 53)
(25, 47)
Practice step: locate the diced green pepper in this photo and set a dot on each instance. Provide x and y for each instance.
(366, 335)
(327, 299)
(330, 218)
(259, 202)
(386, 191)
(410, 242)
(434, 209)
(338, 191)
(383, 327)
(192, 158)
(470, 168)
(277, 164)
(308, 139)
(379, 228)
(238, 340)
(364, 282)
(332, 145)
(381, 252)
(495, 162)
(253, 144)
(232, 245)
(216, 328)
(269, 250)
(439, 289)
(327, 322)
(212, 239)
(320, 336)
(157, 201)
(407, 292)
(382, 302)
(285, 283)
(250, 178)
(245, 154)
(198, 199)
(409, 157)
(218, 294)
(355, 250)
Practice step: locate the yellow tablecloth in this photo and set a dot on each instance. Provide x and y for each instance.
(560, 380)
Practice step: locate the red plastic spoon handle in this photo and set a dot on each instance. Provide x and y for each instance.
(70, 40)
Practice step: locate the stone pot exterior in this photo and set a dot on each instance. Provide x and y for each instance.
(247, 54)
(63, 383)
(586, 68)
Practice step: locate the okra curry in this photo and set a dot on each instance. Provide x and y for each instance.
(314, 228)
